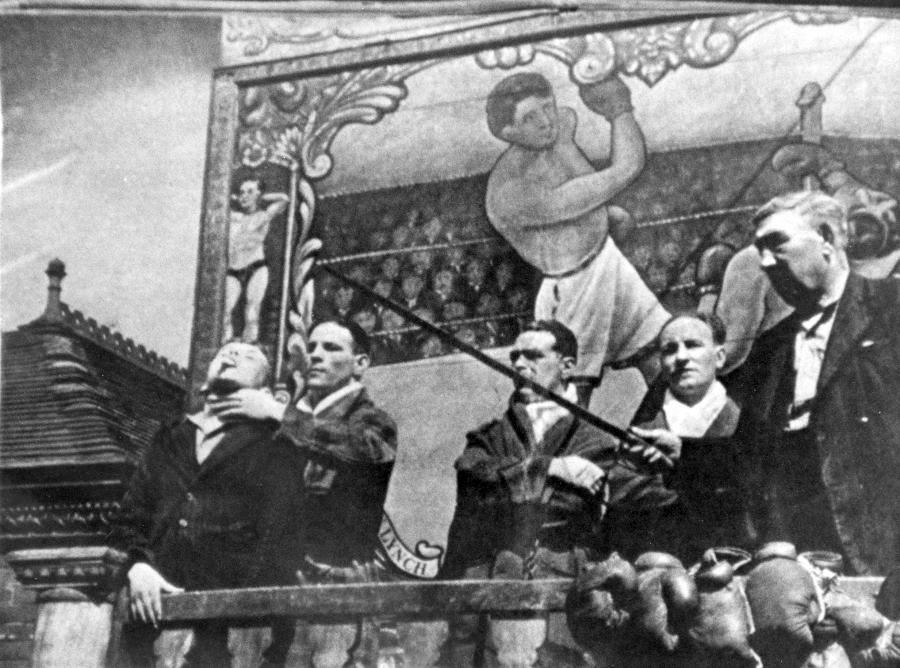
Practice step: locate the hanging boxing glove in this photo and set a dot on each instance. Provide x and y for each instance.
(600, 604)
(667, 603)
(870, 639)
(785, 606)
(720, 630)
(884, 654)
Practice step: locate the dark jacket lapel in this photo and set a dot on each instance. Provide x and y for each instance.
(726, 421)
(182, 457)
(519, 422)
(557, 437)
(763, 386)
(850, 322)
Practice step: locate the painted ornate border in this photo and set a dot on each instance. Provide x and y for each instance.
(296, 107)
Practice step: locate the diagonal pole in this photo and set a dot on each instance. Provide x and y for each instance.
(499, 367)
(761, 167)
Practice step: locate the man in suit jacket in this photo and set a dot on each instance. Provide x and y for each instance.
(212, 505)
(820, 392)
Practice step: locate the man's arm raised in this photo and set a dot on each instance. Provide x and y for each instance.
(582, 194)
(548, 205)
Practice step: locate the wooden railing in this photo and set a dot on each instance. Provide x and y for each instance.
(424, 607)
(398, 599)
(419, 610)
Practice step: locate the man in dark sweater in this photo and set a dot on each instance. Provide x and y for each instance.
(346, 448)
(532, 488)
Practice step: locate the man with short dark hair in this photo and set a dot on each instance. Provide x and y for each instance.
(531, 483)
(212, 505)
(551, 204)
(820, 391)
(347, 448)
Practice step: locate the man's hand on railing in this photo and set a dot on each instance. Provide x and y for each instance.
(146, 587)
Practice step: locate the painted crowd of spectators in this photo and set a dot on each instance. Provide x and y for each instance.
(455, 274)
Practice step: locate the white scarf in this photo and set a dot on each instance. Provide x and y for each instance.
(694, 421)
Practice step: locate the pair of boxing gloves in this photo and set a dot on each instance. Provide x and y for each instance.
(656, 613)
(794, 618)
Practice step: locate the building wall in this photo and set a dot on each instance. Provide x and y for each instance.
(17, 615)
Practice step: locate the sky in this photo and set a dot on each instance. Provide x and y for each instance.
(104, 140)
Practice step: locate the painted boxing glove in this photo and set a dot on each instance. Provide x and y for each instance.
(785, 606)
(609, 98)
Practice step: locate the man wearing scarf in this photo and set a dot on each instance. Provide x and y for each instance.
(688, 417)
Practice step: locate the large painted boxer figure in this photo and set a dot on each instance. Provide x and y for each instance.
(550, 203)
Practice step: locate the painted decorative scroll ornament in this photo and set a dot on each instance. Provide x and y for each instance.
(255, 37)
(302, 118)
(649, 52)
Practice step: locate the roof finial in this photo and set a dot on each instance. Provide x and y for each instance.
(56, 271)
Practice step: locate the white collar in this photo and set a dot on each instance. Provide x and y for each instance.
(694, 421)
(205, 421)
(329, 400)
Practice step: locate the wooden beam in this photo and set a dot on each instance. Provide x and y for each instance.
(412, 8)
(401, 599)
(425, 599)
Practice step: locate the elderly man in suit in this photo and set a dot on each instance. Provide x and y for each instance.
(820, 391)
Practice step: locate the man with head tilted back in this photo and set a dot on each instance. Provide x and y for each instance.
(212, 505)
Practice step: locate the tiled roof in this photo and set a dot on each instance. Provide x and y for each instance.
(103, 336)
(75, 393)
